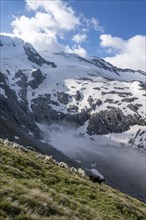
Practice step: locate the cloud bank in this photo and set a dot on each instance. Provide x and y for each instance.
(56, 26)
(51, 20)
(127, 53)
(78, 38)
(51, 23)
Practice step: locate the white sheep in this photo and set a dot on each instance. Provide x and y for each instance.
(57, 163)
(63, 165)
(16, 146)
(6, 142)
(81, 172)
(48, 158)
(40, 156)
(74, 170)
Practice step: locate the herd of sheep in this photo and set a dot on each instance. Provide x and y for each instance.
(50, 160)
(46, 158)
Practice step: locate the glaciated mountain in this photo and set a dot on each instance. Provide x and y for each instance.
(98, 99)
(63, 104)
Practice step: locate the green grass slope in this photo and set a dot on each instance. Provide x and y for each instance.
(31, 189)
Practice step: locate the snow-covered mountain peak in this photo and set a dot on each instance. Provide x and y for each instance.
(19, 54)
(11, 46)
(10, 40)
(55, 87)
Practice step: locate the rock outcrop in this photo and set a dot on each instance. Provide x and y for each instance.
(111, 120)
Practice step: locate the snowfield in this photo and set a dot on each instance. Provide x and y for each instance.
(100, 86)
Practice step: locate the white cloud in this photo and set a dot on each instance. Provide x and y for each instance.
(51, 20)
(79, 38)
(108, 41)
(96, 25)
(60, 12)
(77, 49)
(128, 53)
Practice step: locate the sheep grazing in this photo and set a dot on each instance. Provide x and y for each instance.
(96, 179)
(74, 170)
(55, 162)
(81, 172)
(6, 142)
(40, 156)
(30, 148)
(23, 149)
(16, 146)
(63, 165)
(48, 159)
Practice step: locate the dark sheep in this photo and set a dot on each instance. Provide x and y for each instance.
(24, 149)
(96, 179)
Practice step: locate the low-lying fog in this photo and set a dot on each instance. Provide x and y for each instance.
(123, 167)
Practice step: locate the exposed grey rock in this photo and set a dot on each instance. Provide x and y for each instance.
(34, 57)
(101, 64)
(109, 100)
(132, 140)
(96, 88)
(140, 146)
(143, 86)
(129, 99)
(14, 111)
(72, 119)
(72, 108)
(77, 119)
(42, 110)
(18, 74)
(90, 100)
(86, 79)
(83, 116)
(121, 88)
(93, 103)
(1, 44)
(98, 102)
(63, 98)
(111, 120)
(22, 83)
(38, 79)
(142, 133)
(77, 95)
(133, 107)
(121, 94)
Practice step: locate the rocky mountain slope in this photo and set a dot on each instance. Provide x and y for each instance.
(69, 106)
(90, 94)
(32, 189)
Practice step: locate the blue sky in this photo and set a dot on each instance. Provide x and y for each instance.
(121, 18)
(109, 24)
